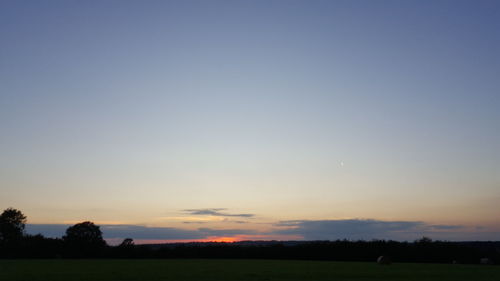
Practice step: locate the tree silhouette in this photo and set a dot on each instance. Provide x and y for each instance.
(12, 223)
(424, 240)
(127, 243)
(84, 239)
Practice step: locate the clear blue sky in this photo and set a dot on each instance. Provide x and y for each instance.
(296, 112)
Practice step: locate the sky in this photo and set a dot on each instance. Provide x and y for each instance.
(252, 120)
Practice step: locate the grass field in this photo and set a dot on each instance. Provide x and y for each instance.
(220, 270)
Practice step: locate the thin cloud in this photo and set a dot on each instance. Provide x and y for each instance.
(48, 230)
(445, 227)
(353, 229)
(140, 232)
(215, 212)
(357, 229)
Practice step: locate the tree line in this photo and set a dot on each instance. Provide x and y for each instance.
(85, 240)
(80, 240)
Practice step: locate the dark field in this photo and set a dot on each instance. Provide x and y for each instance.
(144, 270)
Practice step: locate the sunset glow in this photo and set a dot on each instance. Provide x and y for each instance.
(180, 121)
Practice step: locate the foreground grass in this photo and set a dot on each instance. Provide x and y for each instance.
(235, 270)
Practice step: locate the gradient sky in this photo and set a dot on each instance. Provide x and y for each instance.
(253, 119)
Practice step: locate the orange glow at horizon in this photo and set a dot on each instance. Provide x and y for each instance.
(223, 239)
